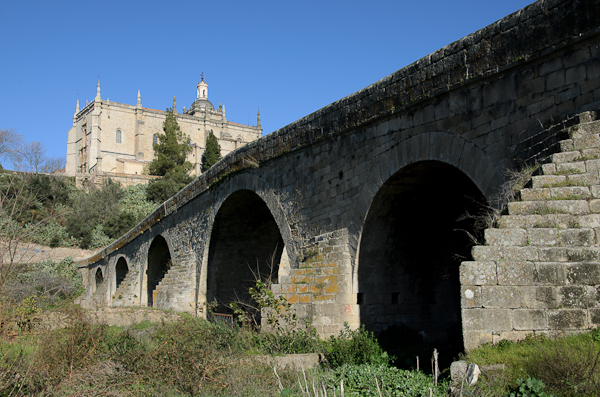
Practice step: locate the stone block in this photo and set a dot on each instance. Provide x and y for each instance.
(515, 272)
(470, 296)
(568, 254)
(474, 339)
(478, 273)
(539, 297)
(595, 317)
(504, 297)
(549, 273)
(577, 296)
(535, 194)
(570, 192)
(487, 320)
(505, 237)
(583, 273)
(529, 319)
(565, 319)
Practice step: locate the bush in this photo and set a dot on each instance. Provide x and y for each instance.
(48, 281)
(118, 225)
(368, 379)
(135, 201)
(162, 189)
(354, 347)
(529, 388)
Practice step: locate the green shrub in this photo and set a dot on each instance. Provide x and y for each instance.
(360, 380)
(118, 225)
(135, 201)
(354, 347)
(529, 388)
(162, 189)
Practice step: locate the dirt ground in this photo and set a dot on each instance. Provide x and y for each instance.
(32, 253)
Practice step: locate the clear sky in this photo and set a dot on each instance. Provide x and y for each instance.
(286, 58)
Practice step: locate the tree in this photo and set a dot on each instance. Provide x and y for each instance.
(9, 141)
(53, 164)
(29, 157)
(212, 153)
(170, 162)
(172, 149)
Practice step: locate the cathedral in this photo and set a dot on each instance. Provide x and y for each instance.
(113, 138)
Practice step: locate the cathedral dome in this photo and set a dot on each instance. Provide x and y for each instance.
(202, 104)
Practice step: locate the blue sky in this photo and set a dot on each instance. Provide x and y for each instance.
(285, 58)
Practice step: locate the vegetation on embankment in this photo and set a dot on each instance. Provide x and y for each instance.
(51, 211)
(564, 366)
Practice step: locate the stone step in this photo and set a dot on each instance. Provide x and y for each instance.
(571, 167)
(561, 221)
(548, 181)
(561, 193)
(580, 143)
(584, 129)
(530, 273)
(532, 253)
(572, 207)
(577, 155)
(550, 237)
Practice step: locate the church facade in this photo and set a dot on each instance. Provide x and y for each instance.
(116, 138)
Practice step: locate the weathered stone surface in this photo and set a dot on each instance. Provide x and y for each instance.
(506, 237)
(526, 320)
(501, 297)
(478, 273)
(565, 319)
(380, 171)
(515, 273)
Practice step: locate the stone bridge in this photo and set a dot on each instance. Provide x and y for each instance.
(363, 211)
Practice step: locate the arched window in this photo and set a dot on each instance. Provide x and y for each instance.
(154, 139)
(118, 136)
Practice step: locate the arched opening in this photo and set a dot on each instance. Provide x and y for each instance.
(99, 278)
(121, 270)
(418, 230)
(245, 244)
(159, 263)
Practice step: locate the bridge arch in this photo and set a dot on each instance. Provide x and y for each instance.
(159, 263)
(444, 147)
(415, 232)
(247, 229)
(121, 270)
(99, 278)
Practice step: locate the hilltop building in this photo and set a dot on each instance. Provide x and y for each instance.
(113, 138)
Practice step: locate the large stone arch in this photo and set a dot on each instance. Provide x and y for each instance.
(447, 148)
(246, 187)
(413, 235)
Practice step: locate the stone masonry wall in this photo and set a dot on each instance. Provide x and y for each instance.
(478, 105)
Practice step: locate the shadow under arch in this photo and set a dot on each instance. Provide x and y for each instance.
(159, 263)
(245, 241)
(121, 270)
(415, 236)
(99, 278)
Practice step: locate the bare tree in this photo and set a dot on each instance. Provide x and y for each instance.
(29, 157)
(53, 164)
(9, 141)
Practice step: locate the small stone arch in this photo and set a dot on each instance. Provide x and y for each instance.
(159, 264)
(99, 278)
(121, 270)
